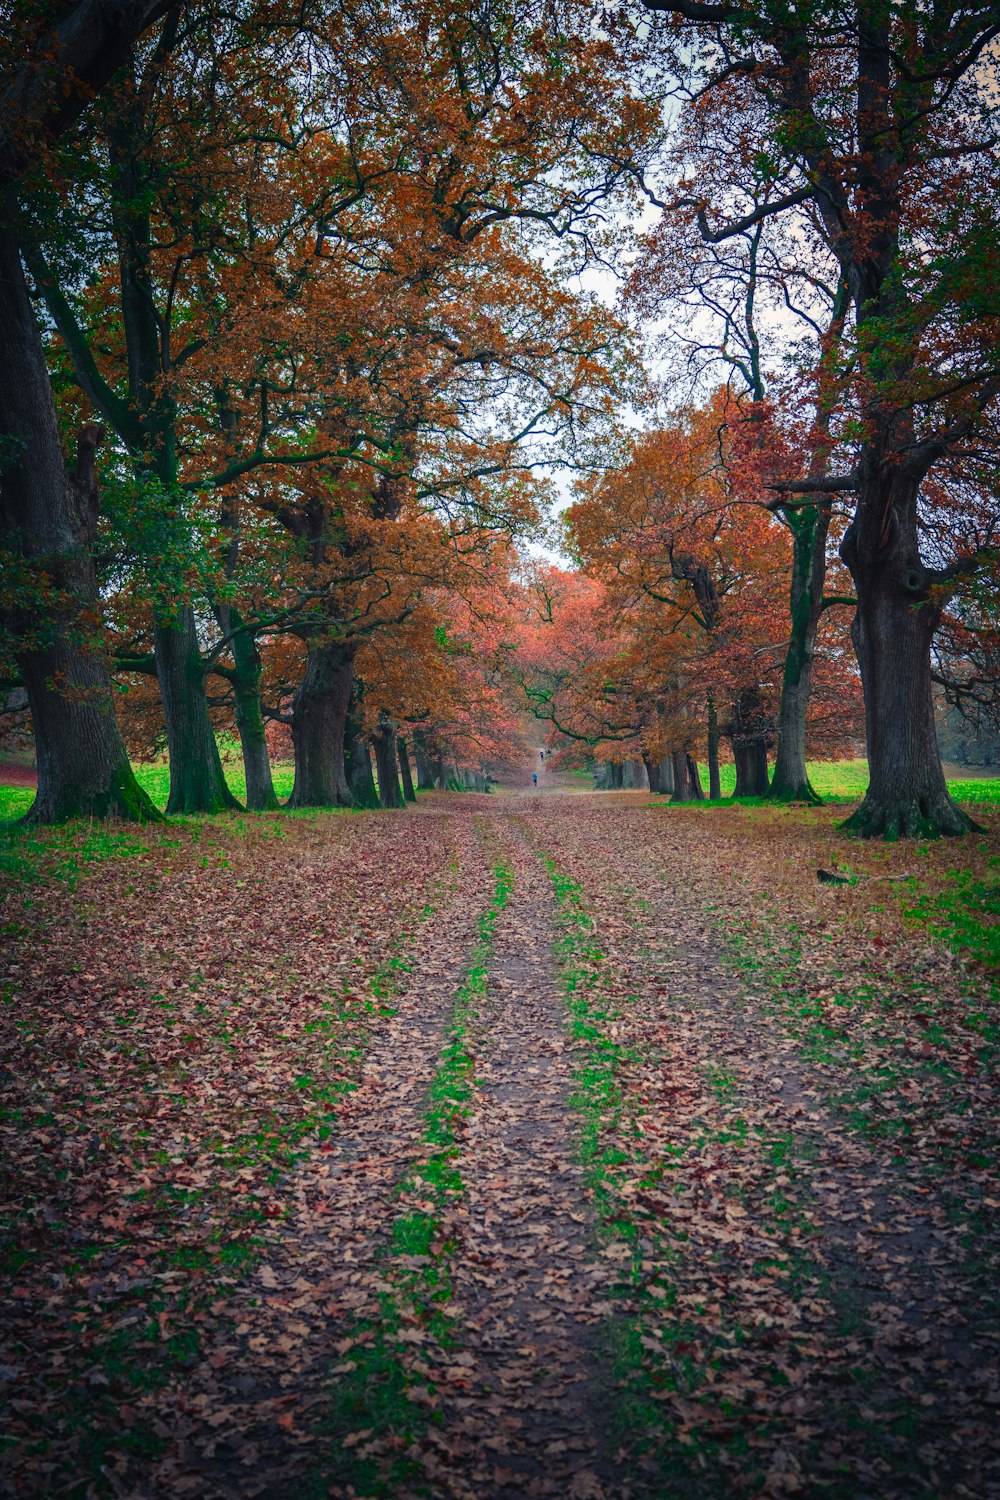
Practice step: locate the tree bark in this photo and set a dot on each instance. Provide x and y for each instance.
(357, 756)
(245, 679)
(652, 772)
(425, 775)
(617, 776)
(384, 741)
(714, 779)
(694, 778)
(404, 770)
(683, 789)
(197, 780)
(319, 716)
(809, 525)
(666, 773)
(893, 629)
(48, 520)
(749, 745)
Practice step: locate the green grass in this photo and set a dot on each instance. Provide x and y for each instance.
(154, 779)
(847, 781)
(378, 1389)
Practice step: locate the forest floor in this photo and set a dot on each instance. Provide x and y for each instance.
(551, 1145)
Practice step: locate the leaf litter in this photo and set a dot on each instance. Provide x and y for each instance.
(544, 1147)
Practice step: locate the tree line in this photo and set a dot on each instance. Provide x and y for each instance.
(291, 333)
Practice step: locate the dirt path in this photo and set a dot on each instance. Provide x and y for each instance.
(591, 1222)
(825, 1288)
(244, 1421)
(524, 1410)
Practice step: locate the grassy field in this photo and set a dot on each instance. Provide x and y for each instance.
(847, 781)
(155, 779)
(836, 781)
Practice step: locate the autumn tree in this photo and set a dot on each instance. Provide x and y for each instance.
(781, 410)
(876, 126)
(57, 58)
(689, 564)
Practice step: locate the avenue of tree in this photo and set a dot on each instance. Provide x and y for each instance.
(292, 337)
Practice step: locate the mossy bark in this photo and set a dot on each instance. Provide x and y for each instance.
(319, 718)
(893, 630)
(48, 519)
(384, 742)
(405, 772)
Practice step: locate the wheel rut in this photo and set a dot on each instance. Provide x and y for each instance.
(525, 1415)
(244, 1421)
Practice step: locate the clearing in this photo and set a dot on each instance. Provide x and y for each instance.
(555, 1145)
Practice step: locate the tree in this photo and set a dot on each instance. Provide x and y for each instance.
(779, 420)
(60, 58)
(694, 569)
(871, 125)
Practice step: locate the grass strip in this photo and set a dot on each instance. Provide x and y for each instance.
(156, 1331)
(664, 1363)
(386, 1394)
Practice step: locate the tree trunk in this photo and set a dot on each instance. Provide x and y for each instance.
(425, 776)
(749, 744)
(384, 740)
(683, 789)
(694, 779)
(441, 775)
(653, 773)
(750, 756)
(319, 716)
(404, 770)
(358, 758)
(893, 629)
(245, 679)
(714, 780)
(666, 774)
(49, 519)
(809, 526)
(617, 776)
(197, 781)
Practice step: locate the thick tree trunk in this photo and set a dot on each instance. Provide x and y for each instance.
(384, 741)
(652, 772)
(425, 775)
(810, 525)
(750, 756)
(714, 779)
(83, 770)
(666, 773)
(48, 518)
(360, 777)
(630, 778)
(358, 757)
(404, 770)
(893, 629)
(749, 745)
(683, 789)
(197, 781)
(357, 754)
(694, 778)
(245, 679)
(441, 774)
(617, 776)
(319, 715)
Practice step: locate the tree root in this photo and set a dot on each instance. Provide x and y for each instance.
(892, 819)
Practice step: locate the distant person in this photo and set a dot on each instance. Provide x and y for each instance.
(541, 755)
(534, 778)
